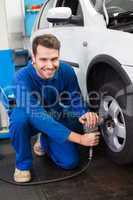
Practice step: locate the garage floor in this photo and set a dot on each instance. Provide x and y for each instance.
(103, 180)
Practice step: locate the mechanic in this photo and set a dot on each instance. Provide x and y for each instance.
(49, 101)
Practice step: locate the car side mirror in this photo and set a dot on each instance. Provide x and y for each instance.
(59, 15)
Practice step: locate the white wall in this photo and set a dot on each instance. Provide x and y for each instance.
(4, 43)
(15, 16)
(15, 22)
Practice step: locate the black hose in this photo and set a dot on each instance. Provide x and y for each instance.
(56, 179)
(51, 180)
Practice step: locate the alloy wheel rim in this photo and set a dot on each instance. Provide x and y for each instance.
(114, 129)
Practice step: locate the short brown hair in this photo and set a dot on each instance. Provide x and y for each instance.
(46, 40)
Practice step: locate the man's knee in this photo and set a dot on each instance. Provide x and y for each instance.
(65, 155)
(70, 162)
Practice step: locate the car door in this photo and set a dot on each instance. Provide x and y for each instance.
(71, 34)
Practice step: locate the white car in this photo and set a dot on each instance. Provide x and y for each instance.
(97, 40)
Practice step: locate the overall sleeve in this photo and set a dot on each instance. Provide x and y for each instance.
(30, 101)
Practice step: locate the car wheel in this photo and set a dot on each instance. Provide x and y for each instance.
(117, 129)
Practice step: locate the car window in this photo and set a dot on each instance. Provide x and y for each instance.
(93, 2)
(126, 5)
(98, 5)
(113, 6)
(77, 14)
(43, 23)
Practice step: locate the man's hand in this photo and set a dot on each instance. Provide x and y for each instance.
(91, 139)
(89, 119)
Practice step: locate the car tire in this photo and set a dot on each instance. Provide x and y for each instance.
(116, 107)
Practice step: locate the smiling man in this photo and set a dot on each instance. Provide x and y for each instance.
(48, 100)
(46, 61)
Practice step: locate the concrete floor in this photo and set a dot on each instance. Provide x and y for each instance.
(103, 180)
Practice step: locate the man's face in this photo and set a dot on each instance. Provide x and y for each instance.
(46, 61)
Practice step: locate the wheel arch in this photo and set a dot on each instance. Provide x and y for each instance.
(104, 68)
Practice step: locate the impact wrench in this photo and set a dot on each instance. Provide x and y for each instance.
(91, 130)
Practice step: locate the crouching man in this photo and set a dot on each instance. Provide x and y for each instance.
(48, 100)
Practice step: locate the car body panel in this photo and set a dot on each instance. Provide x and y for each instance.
(89, 41)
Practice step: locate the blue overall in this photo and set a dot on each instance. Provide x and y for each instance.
(51, 107)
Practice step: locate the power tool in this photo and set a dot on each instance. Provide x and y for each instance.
(91, 130)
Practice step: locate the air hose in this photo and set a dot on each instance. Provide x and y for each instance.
(62, 178)
(55, 179)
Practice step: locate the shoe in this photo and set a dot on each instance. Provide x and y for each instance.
(22, 176)
(38, 150)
